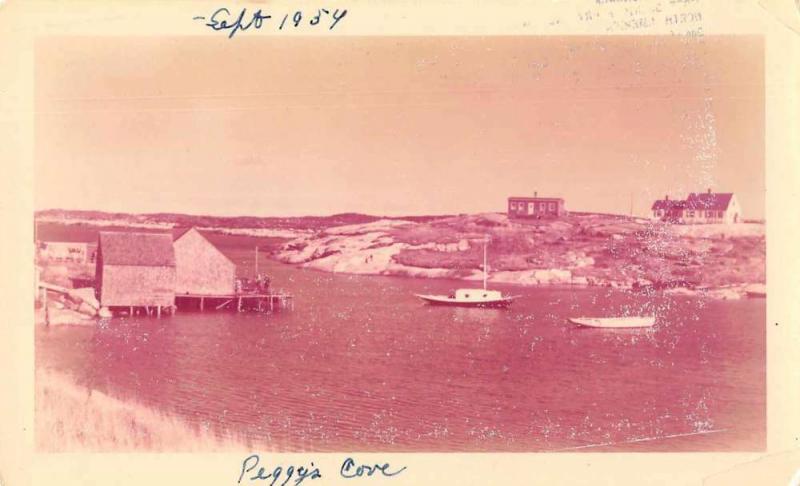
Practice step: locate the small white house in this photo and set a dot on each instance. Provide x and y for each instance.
(64, 251)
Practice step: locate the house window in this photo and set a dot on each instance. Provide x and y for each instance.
(552, 206)
(541, 207)
(690, 214)
(513, 205)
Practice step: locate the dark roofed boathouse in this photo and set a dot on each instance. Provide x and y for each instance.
(135, 270)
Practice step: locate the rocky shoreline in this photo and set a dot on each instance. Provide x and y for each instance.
(715, 261)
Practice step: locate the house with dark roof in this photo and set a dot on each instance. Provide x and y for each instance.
(699, 208)
(201, 269)
(135, 270)
(535, 207)
(669, 209)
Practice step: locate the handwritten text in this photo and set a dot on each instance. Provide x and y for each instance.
(223, 20)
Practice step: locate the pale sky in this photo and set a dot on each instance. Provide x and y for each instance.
(288, 126)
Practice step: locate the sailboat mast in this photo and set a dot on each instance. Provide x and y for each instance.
(256, 261)
(485, 244)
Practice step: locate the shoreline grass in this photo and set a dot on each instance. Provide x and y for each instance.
(71, 418)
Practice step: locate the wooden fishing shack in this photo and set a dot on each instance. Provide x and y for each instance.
(135, 272)
(201, 268)
(150, 273)
(206, 279)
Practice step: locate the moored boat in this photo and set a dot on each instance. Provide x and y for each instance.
(614, 322)
(472, 297)
(758, 291)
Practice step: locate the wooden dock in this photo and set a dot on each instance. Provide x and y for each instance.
(259, 302)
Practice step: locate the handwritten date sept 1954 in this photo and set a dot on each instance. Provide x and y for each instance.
(223, 20)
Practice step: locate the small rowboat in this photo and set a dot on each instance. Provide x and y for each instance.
(614, 322)
(756, 291)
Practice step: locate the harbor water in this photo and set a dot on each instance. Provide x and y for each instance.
(361, 364)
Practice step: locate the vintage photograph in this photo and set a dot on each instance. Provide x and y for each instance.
(400, 244)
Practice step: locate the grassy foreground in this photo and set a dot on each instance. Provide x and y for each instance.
(70, 418)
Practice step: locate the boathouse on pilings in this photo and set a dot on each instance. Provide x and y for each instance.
(204, 273)
(206, 280)
(135, 272)
(200, 267)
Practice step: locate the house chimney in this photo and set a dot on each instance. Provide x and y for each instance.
(535, 194)
(666, 198)
(709, 190)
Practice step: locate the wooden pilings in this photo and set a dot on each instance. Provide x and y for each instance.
(240, 302)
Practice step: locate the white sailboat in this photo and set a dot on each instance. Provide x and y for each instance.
(473, 297)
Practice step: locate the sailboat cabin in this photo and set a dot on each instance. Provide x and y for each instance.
(477, 295)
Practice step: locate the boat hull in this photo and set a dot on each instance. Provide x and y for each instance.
(448, 302)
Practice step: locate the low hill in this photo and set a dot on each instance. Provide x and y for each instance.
(168, 220)
(579, 249)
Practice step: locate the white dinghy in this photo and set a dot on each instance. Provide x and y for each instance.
(614, 322)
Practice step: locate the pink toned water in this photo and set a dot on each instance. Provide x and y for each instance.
(361, 364)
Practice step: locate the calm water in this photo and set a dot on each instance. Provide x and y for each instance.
(361, 364)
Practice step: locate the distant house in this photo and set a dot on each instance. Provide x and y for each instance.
(699, 208)
(201, 269)
(535, 207)
(65, 251)
(668, 209)
(135, 270)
